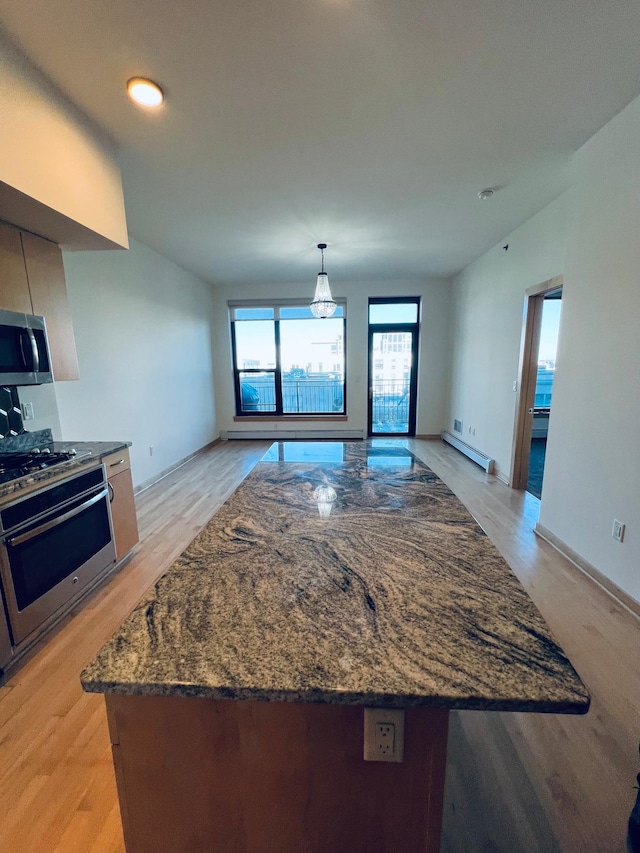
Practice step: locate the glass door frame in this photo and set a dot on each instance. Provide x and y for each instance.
(393, 328)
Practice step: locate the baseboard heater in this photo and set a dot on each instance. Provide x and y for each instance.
(473, 454)
(293, 434)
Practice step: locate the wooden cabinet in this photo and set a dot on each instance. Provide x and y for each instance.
(32, 281)
(48, 289)
(123, 507)
(14, 286)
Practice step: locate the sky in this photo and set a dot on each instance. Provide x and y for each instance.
(302, 342)
(308, 341)
(551, 310)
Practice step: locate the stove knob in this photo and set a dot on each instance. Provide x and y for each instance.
(46, 450)
(36, 450)
(72, 452)
(75, 580)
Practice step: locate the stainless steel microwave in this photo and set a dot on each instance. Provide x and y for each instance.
(24, 350)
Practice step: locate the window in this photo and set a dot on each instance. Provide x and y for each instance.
(386, 311)
(281, 353)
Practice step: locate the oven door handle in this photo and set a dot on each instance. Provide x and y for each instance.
(48, 525)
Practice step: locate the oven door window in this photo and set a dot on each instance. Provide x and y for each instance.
(50, 555)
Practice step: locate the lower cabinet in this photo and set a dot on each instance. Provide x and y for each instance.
(123, 508)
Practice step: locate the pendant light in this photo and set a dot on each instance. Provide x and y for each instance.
(323, 304)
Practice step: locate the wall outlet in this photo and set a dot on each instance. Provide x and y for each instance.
(457, 425)
(383, 735)
(617, 530)
(385, 739)
(151, 450)
(27, 411)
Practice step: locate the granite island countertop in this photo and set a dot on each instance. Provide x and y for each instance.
(396, 598)
(89, 453)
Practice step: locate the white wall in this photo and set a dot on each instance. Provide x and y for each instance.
(590, 235)
(143, 334)
(488, 301)
(593, 470)
(45, 407)
(434, 347)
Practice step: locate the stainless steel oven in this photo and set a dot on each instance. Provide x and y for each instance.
(53, 544)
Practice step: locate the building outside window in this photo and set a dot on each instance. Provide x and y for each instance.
(280, 355)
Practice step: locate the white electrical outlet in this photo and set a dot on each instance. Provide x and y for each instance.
(618, 530)
(383, 735)
(27, 411)
(151, 450)
(385, 739)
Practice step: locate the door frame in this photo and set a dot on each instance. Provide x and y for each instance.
(527, 376)
(391, 328)
(394, 328)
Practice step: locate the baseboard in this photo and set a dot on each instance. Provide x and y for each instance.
(165, 473)
(476, 456)
(504, 478)
(291, 434)
(596, 575)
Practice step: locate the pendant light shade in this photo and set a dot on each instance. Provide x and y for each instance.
(323, 304)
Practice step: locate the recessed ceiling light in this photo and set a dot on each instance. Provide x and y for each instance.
(483, 195)
(145, 92)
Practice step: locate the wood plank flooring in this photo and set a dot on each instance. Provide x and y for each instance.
(515, 782)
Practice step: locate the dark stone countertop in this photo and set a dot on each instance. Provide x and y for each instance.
(93, 452)
(397, 598)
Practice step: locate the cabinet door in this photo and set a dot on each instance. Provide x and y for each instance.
(14, 287)
(45, 273)
(123, 513)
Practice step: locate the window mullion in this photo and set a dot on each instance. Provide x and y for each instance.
(278, 371)
(236, 372)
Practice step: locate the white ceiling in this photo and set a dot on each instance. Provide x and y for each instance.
(366, 124)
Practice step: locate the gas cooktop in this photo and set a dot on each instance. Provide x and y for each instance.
(23, 463)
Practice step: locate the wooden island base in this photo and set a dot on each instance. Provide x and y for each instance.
(209, 776)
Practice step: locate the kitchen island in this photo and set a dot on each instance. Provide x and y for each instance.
(337, 577)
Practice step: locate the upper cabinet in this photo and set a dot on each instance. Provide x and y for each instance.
(14, 287)
(32, 281)
(48, 289)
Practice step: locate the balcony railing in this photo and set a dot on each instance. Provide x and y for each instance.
(390, 399)
(390, 406)
(299, 396)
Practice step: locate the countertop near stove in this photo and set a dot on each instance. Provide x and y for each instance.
(396, 599)
(95, 451)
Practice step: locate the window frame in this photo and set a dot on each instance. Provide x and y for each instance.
(278, 412)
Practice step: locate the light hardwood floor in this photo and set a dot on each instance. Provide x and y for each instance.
(516, 783)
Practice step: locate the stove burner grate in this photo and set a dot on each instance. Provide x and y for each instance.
(14, 465)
